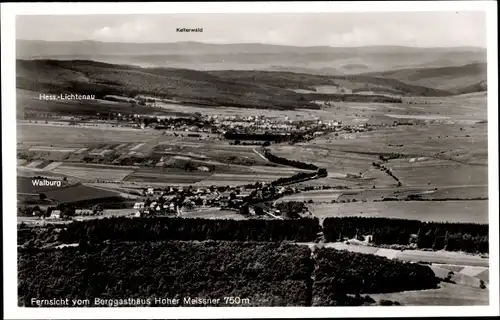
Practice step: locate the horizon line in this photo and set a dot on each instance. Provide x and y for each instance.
(255, 43)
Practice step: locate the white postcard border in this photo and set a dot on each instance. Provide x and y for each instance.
(9, 11)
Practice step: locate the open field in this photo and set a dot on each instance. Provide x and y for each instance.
(212, 213)
(315, 195)
(440, 257)
(452, 211)
(25, 185)
(76, 136)
(447, 295)
(432, 154)
(454, 78)
(210, 149)
(94, 172)
(166, 178)
(466, 144)
(29, 102)
(108, 213)
(438, 172)
(78, 193)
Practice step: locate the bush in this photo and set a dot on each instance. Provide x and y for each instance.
(482, 285)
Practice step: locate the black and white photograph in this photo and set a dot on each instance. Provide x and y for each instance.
(315, 158)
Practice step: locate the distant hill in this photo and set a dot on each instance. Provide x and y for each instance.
(251, 56)
(189, 86)
(352, 83)
(457, 79)
(235, 88)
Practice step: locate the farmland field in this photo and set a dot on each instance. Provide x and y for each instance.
(25, 185)
(93, 172)
(315, 195)
(451, 211)
(166, 178)
(463, 143)
(77, 136)
(447, 295)
(213, 213)
(440, 172)
(378, 194)
(440, 257)
(78, 193)
(237, 179)
(28, 101)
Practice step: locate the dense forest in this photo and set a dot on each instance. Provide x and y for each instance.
(267, 274)
(342, 272)
(467, 237)
(165, 228)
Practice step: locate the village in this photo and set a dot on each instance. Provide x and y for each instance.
(250, 200)
(196, 124)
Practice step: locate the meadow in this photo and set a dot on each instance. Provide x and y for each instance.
(78, 136)
(78, 193)
(30, 105)
(475, 211)
(447, 295)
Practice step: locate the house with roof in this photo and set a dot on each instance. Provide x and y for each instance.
(56, 214)
(139, 205)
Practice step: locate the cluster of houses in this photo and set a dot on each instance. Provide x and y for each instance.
(260, 124)
(176, 200)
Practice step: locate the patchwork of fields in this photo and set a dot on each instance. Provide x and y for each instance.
(451, 211)
(442, 158)
(61, 136)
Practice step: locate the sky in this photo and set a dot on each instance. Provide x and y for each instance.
(418, 29)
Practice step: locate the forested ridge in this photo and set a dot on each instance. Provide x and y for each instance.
(166, 228)
(267, 274)
(256, 260)
(468, 237)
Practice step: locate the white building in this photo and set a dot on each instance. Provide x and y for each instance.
(139, 205)
(56, 214)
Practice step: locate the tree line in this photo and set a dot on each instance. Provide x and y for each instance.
(469, 237)
(166, 228)
(267, 274)
(338, 273)
(287, 162)
(233, 135)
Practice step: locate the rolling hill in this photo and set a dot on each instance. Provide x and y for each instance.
(240, 88)
(457, 79)
(250, 56)
(189, 86)
(354, 83)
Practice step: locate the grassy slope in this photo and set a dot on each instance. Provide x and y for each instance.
(291, 80)
(89, 77)
(458, 79)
